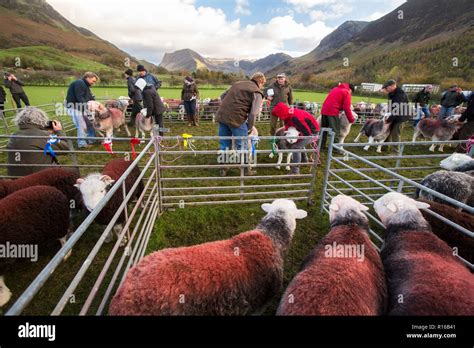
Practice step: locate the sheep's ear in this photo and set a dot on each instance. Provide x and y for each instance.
(266, 207)
(392, 207)
(363, 207)
(79, 181)
(107, 179)
(422, 205)
(334, 207)
(301, 214)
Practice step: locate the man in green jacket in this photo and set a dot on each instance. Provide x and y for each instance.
(34, 122)
(278, 91)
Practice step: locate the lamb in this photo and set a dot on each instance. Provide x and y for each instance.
(423, 275)
(437, 130)
(459, 186)
(455, 239)
(60, 178)
(458, 162)
(96, 185)
(143, 124)
(106, 119)
(286, 144)
(375, 130)
(229, 277)
(34, 215)
(345, 125)
(334, 283)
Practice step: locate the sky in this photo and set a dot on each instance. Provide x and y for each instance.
(236, 29)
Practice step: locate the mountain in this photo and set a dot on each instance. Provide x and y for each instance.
(416, 43)
(190, 60)
(30, 29)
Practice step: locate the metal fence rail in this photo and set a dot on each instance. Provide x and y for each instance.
(366, 178)
(140, 216)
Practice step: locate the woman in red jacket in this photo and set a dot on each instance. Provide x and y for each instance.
(303, 121)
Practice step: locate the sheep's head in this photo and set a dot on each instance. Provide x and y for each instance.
(93, 106)
(386, 116)
(93, 188)
(343, 206)
(291, 132)
(5, 293)
(454, 161)
(286, 208)
(397, 208)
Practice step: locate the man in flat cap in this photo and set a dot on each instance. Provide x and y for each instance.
(278, 91)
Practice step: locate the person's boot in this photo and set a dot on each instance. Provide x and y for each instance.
(196, 121)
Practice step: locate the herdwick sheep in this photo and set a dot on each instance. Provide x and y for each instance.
(143, 124)
(437, 130)
(289, 143)
(423, 275)
(34, 215)
(229, 277)
(457, 185)
(464, 244)
(345, 125)
(343, 275)
(458, 162)
(96, 185)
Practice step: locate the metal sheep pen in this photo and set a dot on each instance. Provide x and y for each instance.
(366, 178)
(172, 174)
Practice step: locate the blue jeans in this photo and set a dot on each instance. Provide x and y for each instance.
(227, 131)
(419, 114)
(84, 129)
(446, 112)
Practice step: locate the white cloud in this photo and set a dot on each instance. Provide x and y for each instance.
(242, 7)
(332, 12)
(305, 5)
(166, 26)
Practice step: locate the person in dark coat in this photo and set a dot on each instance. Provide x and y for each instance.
(279, 91)
(16, 89)
(34, 122)
(422, 99)
(467, 116)
(3, 99)
(399, 110)
(450, 99)
(189, 95)
(135, 95)
(151, 99)
(78, 94)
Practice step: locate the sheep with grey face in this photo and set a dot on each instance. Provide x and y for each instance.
(458, 162)
(236, 276)
(459, 186)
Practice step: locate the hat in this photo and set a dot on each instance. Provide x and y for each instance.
(188, 78)
(140, 68)
(281, 75)
(129, 72)
(351, 86)
(389, 83)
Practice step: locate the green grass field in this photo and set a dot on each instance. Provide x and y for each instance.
(188, 226)
(39, 95)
